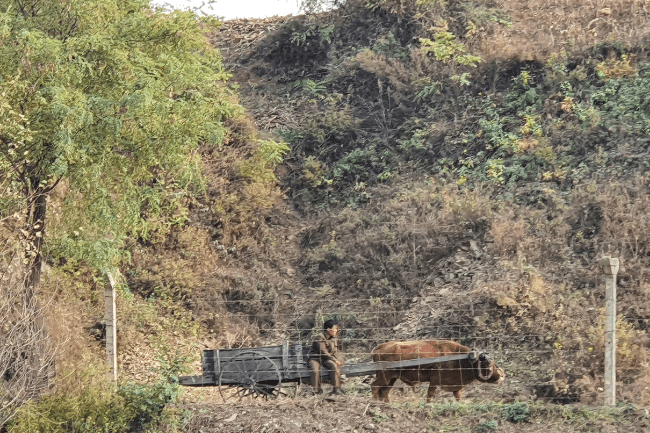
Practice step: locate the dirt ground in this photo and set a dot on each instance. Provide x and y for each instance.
(358, 413)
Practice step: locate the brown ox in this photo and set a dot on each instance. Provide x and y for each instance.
(451, 376)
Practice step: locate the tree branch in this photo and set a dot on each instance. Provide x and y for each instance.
(19, 173)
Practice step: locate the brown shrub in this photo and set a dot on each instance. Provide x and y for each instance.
(507, 234)
(392, 248)
(613, 219)
(397, 73)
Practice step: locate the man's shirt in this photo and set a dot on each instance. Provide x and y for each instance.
(326, 348)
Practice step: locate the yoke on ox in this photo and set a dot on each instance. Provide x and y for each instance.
(263, 371)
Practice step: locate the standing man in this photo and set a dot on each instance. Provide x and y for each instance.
(326, 351)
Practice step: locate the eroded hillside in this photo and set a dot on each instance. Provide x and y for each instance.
(459, 169)
(456, 170)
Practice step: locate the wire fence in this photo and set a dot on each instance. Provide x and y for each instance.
(537, 363)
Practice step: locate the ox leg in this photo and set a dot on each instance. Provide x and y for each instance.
(431, 392)
(381, 387)
(383, 393)
(377, 386)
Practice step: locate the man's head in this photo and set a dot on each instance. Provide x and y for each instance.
(331, 327)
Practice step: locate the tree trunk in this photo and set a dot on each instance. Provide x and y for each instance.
(41, 359)
(26, 350)
(35, 230)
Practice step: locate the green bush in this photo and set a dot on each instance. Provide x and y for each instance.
(99, 407)
(516, 412)
(131, 408)
(92, 410)
(626, 100)
(486, 426)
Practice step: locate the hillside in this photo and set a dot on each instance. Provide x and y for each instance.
(456, 170)
(449, 188)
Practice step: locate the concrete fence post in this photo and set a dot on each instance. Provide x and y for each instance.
(610, 266)
(111, 325)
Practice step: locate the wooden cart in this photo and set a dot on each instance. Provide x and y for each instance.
(262, 371)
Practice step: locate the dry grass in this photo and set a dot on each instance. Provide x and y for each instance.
(507, 234)
(550, 283)
(544, 27)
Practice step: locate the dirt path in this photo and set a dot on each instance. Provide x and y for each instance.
(408, 414)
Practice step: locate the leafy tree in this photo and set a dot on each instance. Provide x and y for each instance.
(105, 103)
(109, 100)
(314, 6)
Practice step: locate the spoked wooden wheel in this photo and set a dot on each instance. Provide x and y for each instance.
(254, 375)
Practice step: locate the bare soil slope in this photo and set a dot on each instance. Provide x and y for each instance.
(441, 201)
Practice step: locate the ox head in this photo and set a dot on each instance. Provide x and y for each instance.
(487, 370)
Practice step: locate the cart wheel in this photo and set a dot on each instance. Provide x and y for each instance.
(254, 374)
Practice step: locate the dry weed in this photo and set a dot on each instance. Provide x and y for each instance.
(544, 27)
(507, 233)
(397, 73)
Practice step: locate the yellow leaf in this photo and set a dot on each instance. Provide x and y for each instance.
(506, 301)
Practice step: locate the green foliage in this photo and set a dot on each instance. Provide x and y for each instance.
(446, 48)
(516, 412)
(494, 170)
(428, 90)
(495, 135)
(272, 152)
(462, 79)
(556, 65)
(384, 175)
(291, 136)
(454, 408)
(505, 133)
(532, 125)
(302, 34)
(522, 97)
(147, 402)
(415, 142)
(521, 168)
(626, 100)
(115, 98)
(618, 96)
(482, 15)
(390, 47)
(268, 155)
(378, 416)
(310, 88)
(103, 408)
(486, 426)
(361, 164)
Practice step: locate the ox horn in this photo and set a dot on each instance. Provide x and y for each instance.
(484, 359)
